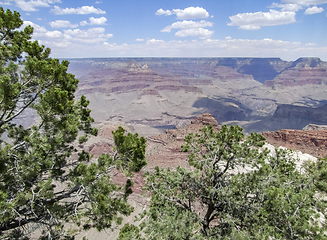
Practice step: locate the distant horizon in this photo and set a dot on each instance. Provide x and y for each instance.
(192, 58)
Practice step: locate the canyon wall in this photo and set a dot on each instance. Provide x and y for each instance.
(153, 94)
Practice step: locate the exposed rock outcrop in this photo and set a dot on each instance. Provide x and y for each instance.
(312, 142)
(315, 127)
(164, 150)
(205, 119)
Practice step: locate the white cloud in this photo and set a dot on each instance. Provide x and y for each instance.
(306, 2)
(191, 28)
(80, 10)
(91, 35)
(53, 34)
(31, 5)
(62, 24)
(191, 13)
(97, 2)
(292, 7)
(64, 41)
(41, 32)
(5, 3)
(187, 13)
(163, 12)
(139, 39)
(154, 41)
(187, 25)
(313, 10)
(228, 47)
(254, 21)
(94, 21)
(194, 32)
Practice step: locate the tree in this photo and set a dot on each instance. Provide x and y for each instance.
(45, 182)
(235, 192)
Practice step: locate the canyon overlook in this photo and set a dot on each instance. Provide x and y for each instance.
(154, 94)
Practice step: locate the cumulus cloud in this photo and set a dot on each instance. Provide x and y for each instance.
(292, 7)
(139, 39)
(313, 10)
(163, 12)
(5, 3)
(187, 13)
(41, 32)
(190, 28)
(31, 5)
(94, 21)
(91, 35)
(254, 21)
(62, 24)
(306, 2)
(194, 32)
(80, 10)
(63, 41)
(187, 25)
(228, 47)
(154, 41)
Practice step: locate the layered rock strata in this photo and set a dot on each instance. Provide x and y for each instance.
(313, 142)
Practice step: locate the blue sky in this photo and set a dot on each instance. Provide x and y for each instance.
(177, 28)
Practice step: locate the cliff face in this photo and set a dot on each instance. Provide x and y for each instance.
(313, 142)
(301, 72)
(312, 115)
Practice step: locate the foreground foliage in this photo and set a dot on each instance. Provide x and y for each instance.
(235, 192)
(45, 182)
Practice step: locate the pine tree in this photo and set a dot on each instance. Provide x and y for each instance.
(236, 191)
(45, 181)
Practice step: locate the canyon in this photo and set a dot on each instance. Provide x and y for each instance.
(155, 94)
(164, 99)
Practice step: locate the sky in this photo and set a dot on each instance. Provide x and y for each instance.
(288, 29)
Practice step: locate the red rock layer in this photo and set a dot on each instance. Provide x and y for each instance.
(313, 142)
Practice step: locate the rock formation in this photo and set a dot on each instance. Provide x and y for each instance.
(313, 142)
(315, 127)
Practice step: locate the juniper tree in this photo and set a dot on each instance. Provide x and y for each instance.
(234, 192)
(45, 181)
